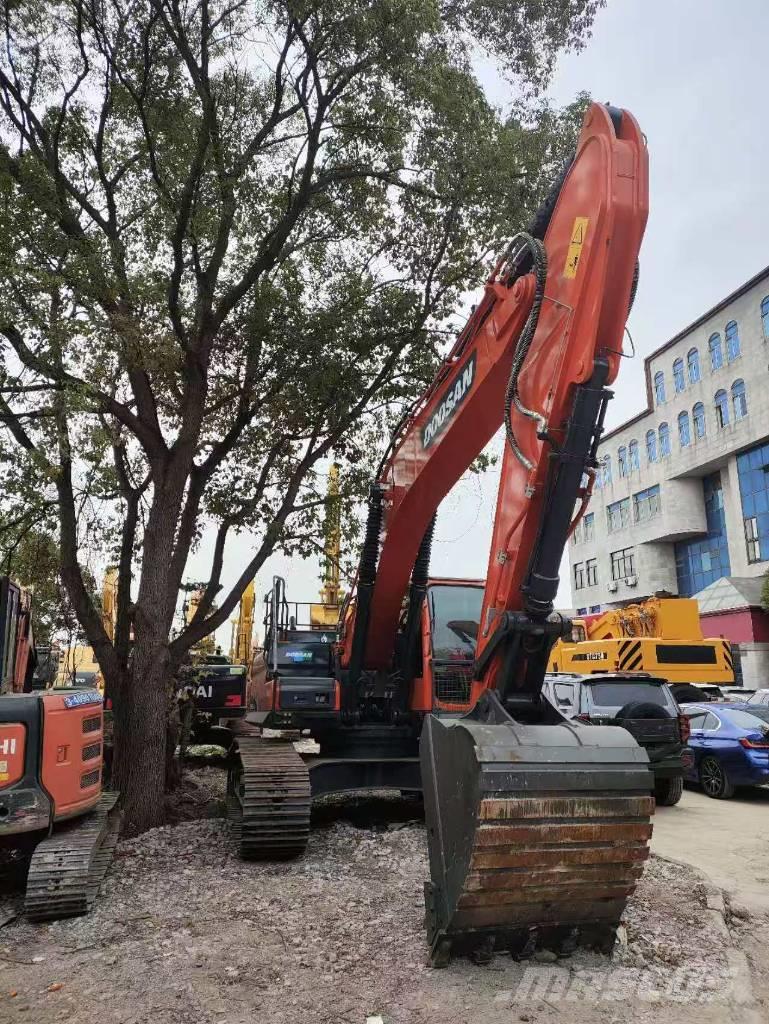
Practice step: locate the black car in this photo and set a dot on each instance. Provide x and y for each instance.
(641, 704)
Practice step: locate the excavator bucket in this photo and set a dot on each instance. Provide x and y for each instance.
(537, 834)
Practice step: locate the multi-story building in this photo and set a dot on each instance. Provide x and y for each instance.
(682, 495)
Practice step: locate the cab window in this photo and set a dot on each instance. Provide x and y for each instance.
(564, 694)
(455, 612)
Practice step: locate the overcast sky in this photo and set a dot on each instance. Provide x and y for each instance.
(693, 74)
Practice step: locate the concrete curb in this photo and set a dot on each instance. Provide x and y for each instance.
(741, 979)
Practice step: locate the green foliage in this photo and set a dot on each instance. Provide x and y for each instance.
(30, 556)
(765, 592)
(233, 241)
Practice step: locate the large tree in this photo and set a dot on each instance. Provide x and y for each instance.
(232, 236)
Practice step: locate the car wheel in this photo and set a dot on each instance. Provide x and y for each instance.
(642, 709)
(714, 780)
(667, 792)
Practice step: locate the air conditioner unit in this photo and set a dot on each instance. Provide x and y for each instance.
(632, 581)
(611, 586)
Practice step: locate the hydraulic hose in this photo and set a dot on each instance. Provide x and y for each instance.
(536, 251)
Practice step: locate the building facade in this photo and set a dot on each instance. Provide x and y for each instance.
(682, 491)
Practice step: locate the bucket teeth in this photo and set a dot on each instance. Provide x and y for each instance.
(537, 834)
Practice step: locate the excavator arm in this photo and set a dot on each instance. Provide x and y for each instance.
(537, 828)
(536, 355)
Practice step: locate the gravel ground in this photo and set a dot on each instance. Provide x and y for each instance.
(185, 932)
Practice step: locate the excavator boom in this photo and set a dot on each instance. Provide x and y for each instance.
(536, 827)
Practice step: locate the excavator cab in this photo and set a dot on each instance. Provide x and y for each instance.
(451, 614)
(293, 673)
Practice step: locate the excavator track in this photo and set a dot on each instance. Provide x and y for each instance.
(269, 799)
(68, 867)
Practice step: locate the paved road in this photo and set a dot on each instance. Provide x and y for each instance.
(727, 839)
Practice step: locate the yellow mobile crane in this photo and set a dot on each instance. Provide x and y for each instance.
(326, 614)
(206, 647)
(662, 636)
(242, 643)
(109, 600)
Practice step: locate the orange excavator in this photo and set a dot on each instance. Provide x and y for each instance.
(537, 826)
(51, 801)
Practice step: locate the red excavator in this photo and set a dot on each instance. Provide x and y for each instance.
(537, 826)
(51, 800)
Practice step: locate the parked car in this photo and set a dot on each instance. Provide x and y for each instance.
(737, 693)
(730, 743)
(640, 703)
(687, 693)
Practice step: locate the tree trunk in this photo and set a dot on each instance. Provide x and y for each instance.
(141, 715)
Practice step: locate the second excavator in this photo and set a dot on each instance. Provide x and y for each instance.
(537, 827)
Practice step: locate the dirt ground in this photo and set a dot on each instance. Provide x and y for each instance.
(185, 933)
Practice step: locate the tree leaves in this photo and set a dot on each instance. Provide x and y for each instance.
(235, 238)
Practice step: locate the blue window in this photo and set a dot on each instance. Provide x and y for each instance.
(698, 415)
(753, 475)
(739, 400)
(651, 446)
(632, 450)
(618, 515)
(588, 524)
(646, 504)
(678, 375)
(701, 561)
(684, 436)
(606, 470)
(765, 316)
(693, 365)
(581, 611)
(732, 341)
(716, 352)
(664, 433)
(722, 409)
(622, 461)
(659, 387)
(594, 608)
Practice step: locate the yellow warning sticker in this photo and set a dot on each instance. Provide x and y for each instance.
(4, 776)
(574, 253)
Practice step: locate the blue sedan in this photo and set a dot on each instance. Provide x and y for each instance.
(731, 746)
